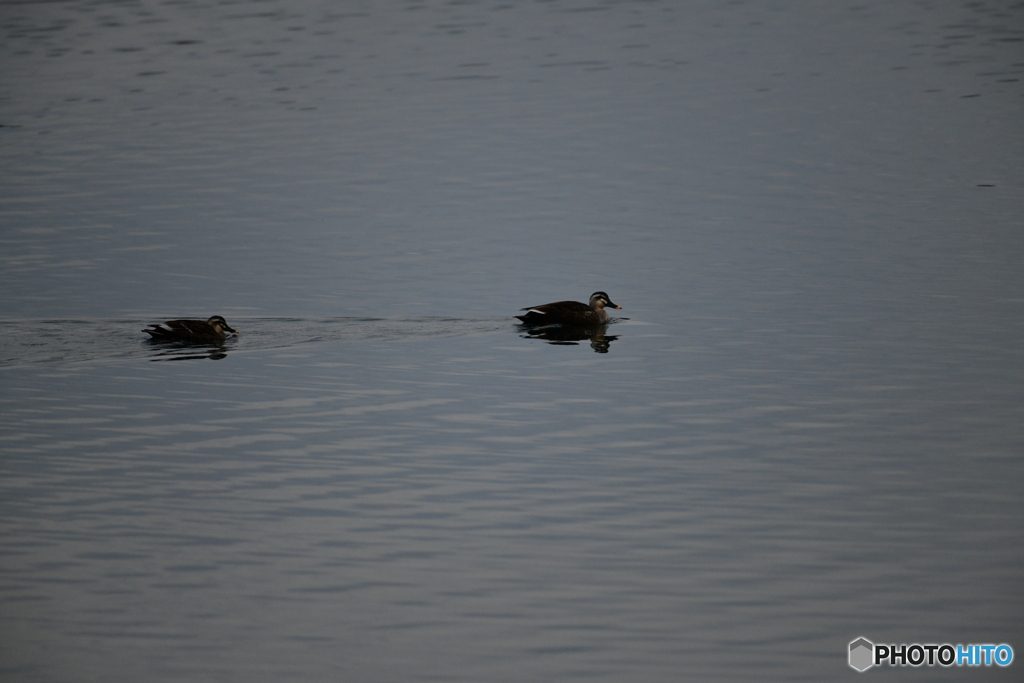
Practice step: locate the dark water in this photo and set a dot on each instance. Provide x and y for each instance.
(805, 425)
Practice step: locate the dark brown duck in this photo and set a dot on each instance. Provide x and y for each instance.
(570, 312)
(209, 331)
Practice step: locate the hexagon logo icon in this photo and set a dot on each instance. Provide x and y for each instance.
(862, 654)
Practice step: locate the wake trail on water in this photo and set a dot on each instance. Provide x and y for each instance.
(52, 341)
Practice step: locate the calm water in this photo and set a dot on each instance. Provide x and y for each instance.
(805, 425)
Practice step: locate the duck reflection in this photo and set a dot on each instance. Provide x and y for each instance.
(181, 351)
(571, 335)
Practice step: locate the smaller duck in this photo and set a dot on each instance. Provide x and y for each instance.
(570, 312)
(210, 331)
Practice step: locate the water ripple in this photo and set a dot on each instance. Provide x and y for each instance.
(28, 342)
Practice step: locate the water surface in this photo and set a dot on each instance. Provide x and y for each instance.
(804, 426)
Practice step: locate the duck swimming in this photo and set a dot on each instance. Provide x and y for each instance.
(209, 331)
(570, 312)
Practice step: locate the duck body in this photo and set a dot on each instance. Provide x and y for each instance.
(209, 331)
(570, 312)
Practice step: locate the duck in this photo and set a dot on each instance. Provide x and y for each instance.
(210, 331)
(570, 312)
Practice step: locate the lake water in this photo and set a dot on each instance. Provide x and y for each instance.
(805, 425)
